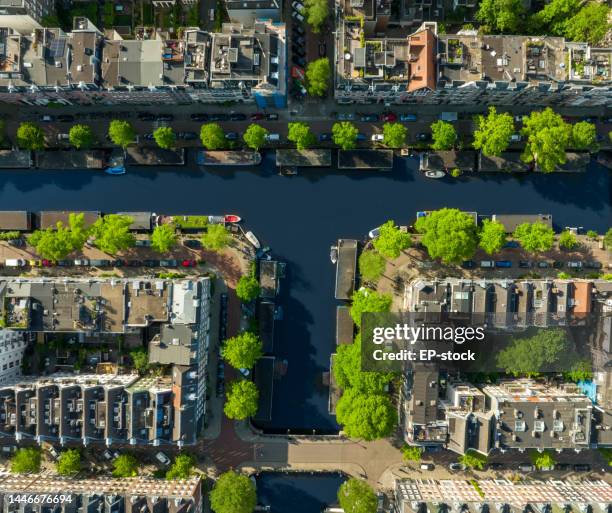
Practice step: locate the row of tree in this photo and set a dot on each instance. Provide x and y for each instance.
(112, 234)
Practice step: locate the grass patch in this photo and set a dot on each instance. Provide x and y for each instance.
(190, 222)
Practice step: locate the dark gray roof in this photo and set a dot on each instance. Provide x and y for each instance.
(381, 160)
(140, 220)
(344, 325)
(507, 162)
(345, 268)
(264, 379)
(153, 156)
(465, 161)
(265, 316)
(511, 221)
(15, 159)
(15, 220)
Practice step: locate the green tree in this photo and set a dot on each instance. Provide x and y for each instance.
(367, 300)
(608, 239)
(182, 467)
(233, 493)
(501, 16)
(394, 135)
(113, 233)
(567, 240)
(542, 460)
(247, 288)
(584, 135)
(140, 359)
(318, 76)
(371, 265)
(125, 465)
(444, 135)
(345, 134)
(533, 354)
(412, 453)
(448, 234)
(357, 496)
(493, 133)
(213, 136)
(26, 460)
(589, 24)
(301, 135)
(242, 400)
(165, 137)
(163, 238)
(548, 136)
(366, 416)
(122, 133)
(348, 373)
(57, 243)
(317, 12)
(581, 370)
(69, 462)
(216, 237)
(473, 459)
(553, 18)
(592, 234)
(243, 350)
(492, 236)
(81, 136)
(255, 136)
(391, 241)
(535, 237)
(30, 136)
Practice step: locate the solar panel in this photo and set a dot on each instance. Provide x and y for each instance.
(56, 47)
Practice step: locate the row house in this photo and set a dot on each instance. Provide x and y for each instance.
(245, 65)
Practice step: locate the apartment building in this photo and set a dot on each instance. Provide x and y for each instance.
(247, 12)
(12, 347)
(110, 495)
(24, 15)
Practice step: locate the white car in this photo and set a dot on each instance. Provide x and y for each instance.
(162, 458)
(487, 263)
(378, 138)
(15, 262)
(575, 265)
(516, 138)
(374, 232)
(427, 466)
(297, 6)
(297, 16)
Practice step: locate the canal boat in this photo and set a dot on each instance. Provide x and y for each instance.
(252, 239)
(435, 174)
(288, 171)
(232, 218)
(333, 254)
(115, 170)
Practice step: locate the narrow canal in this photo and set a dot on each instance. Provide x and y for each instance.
(300, 217)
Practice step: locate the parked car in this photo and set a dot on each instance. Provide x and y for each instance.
(46, 118)
(107, 455)
(192, 243)
(81, 262)
(297, 16)
(408, 117)
(15, 262)
(272, 116)
(525, 264)
(299, 30)
(187, 136)
(575, 264)
(64, 263)
(134, 263)
(296, 50)
(164, 117)
(512, 244)
(231, 136)
(368, 117)
(582, 467)
(374, 232)
(543, 264)
(503, 263)
(118, 263)
(237, 116)
(150, 263)
(468, 264)
(516, 138)
(423, 136)
(558, 264)
(562, 466)
(345, 116)
(63, 137)
(46, 263)
(273, 137)
(496, 466)
(18, 243)
(526, 467)
(389, 117)
(297, 6)
(34, 262)
(325, 136)
(427, 466)
(377, 138)
(487, 263)
(188, 263)
(256, 116)
(146, 116)
(360, 137)
(168, 263)
(218, 117)
(298, 61)
(143, 243)
(199, 116)
(148, 136)
(99, 263)
(591, 264)
(53, 452)
(162, 458)
(456, 466)
(65, 118)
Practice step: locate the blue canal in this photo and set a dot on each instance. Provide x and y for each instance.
(298, 492)
(300, 217)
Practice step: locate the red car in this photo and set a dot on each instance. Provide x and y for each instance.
(257, 116)
(46, 263)
(389, 116)
(188, 263)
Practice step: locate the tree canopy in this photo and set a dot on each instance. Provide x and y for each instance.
(567, 240)
(233, 493)
(301, 135)
(364, 415)
(589, 24)
(492, 236)
(57, 243)
(542, 459)
(448, 234)
(535, 237)
(255, 136)
(548, 136)
(30, 136)
(113, 233)
(318, 76)
(367, 300)
(140, 359)
(608, 239)
(26, 460)
(247, 288)
(444, 135)
(581, 370)
(81, 136)
(584, 135)
(122, 133)
(348, 373)
(394, 135)
(412, 452)
(164, 238)
(533, 354)
(317, 12)
(213, 136)
(125, 465)
(473, 459)
(501, 16)
(216, 237)
(243, 350)
(344, 134)
(371, 265)
(357, 496)
(493, 134)
(242, 400)
(165, 137)
(391, 241)
(69, 462)
(182, 467)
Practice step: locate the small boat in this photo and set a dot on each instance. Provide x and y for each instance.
(333, 254)
(435, 174)
(252, 239)
(288, 171)
(232, 218)
(115, 170)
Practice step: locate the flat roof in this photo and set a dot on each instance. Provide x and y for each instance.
(344, 325)
(15, 159)
(50, 218)
(506, 162)
(70, 159)
(153, 156)
(15, 220)
(264, 379)
(335, 392)
(365, 159)
(265, 316)
(140, 220)
(345, 268)
(304, 158)
(511, 221)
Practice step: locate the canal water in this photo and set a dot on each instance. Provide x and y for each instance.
(300, 217)
(298, 492)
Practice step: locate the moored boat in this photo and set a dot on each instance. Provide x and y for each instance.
(435, 174)
(115, 170)
(232, 218)
(252, 239)
(333, 254)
